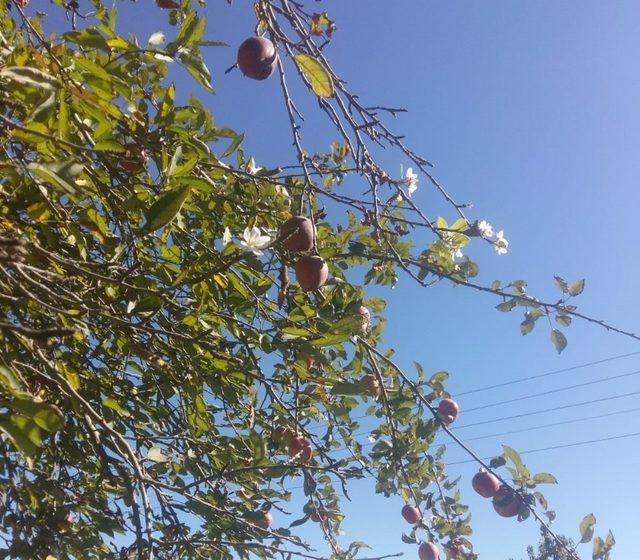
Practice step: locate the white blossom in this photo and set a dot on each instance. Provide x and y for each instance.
(410, 179)
(485, 229)
(156, 39)
(226, 237)
(501, 243)
(252, 168)
(254, 241)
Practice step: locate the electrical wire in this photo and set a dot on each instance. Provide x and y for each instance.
(554, 447)
(552, 391)
(551, 409)
(521, 430)
(547, 374)
(531, 451)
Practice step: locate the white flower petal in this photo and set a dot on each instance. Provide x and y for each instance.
(156, 38)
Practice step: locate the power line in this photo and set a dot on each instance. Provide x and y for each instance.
(552, 391)
(529, 429)
(547, 374)
(530, 451)
(552, 409)
(554, 424)
(554, 447)
(531, 377)
(533, 413)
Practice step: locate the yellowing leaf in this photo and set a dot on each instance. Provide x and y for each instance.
(117, 43)
(317, 75)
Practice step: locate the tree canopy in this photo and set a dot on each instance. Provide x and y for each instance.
(166, 382)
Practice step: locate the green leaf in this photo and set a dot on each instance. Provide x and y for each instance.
(545, 478)
(166, 208)
(113, 404)
(46, 416)
(345, 388)
(586, 528)
(318, 77)
(561, 283)
(576, 288)
(513, 456)
(559, 340)
(506, 305)
(49, 174)
(23, 433)
(564, 320)
(197, 68)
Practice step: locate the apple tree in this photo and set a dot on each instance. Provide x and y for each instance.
(184, 346)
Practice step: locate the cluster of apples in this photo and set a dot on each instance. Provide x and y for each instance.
(298, 236)
(506, 502)
(299, 447)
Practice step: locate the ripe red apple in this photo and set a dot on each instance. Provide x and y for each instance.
(312, 272)
(264, 520)
(168, 4)
(448, 411)
(428, 551)
(485, 484)
(318, 515)
(370, 384)
(506, 502)
(257, 58)
(134, 158)
(298, 234)
(411, 514)
(310, 362)
(300, 447)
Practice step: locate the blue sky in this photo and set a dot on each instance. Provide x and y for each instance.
(531, 110)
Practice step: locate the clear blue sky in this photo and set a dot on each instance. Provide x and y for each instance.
(532, 111)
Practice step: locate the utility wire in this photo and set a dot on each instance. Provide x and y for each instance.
(552, 391)
(547, 374)
(530, 451)
(554, 447)
(525, 414)
(554, 424)
(552, 409)
(521, 430)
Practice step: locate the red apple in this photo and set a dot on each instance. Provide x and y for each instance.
(506, 502)
(167, 4)
(428, 551)
(312, 272)
(257, 58)
(448, 411)
(371, 385)
(298, 234)
(411, 514)
(310, 362)
(22, 3)
(264, 520)
(318, 515)
(300, 447)
(134, 158)
(485, 484)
